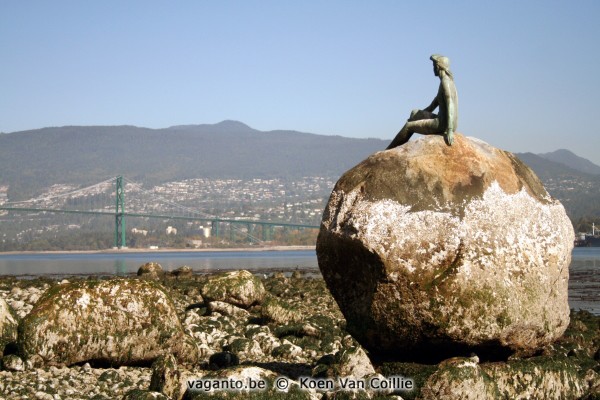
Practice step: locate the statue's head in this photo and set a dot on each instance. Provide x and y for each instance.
(440, 63)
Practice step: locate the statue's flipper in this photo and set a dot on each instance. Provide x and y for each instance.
(449, 138)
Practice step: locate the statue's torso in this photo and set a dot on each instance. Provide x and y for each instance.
(443, 106)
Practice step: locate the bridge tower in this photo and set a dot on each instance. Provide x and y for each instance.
(120, 215)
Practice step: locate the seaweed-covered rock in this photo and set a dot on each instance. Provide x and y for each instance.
(239, 288)
(535, 378)
(166, 377)
(138, 394)
(279, 311)
(8, 325)
(12, 362)
(183, 272)
(348, 362)
(430, 249)
(228, 309)
(151, 270)
(115, 321)
(246, 349)
(540, 378)
(458, 378)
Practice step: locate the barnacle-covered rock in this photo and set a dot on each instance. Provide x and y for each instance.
(239, 288)
(113, 321)
(8, 325)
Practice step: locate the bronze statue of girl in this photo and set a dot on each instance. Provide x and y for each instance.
(425, 121)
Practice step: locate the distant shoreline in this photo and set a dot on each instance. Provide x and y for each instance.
(164, 250)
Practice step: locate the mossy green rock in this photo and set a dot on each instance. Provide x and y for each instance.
(166, 377)
(8, 325)
(537, 378)
(430, 248)
(239, 288)
(151, 270)
(113, 321)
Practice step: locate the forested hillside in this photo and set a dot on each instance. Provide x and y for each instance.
(33, 160)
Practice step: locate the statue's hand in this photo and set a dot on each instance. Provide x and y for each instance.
(449, 137)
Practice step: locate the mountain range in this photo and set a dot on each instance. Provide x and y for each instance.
(33, 160)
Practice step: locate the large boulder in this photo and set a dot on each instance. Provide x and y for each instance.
(435, 249)
(113, 321)
(8, 325)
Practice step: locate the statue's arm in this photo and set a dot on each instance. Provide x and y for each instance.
(434, 104)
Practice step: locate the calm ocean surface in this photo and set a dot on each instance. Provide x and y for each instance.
(584, 282)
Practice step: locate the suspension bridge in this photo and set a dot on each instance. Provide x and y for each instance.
(148, 205)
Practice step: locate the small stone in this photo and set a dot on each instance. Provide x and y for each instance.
(150, 270)
(279, 311)
(35, 361)
(287, 351)
(239, 288)
(354, 362)
(248, 349)
(166, 377)
(108, 375)
(138, 394)
(33, 298)
(183, 272)
(12, 362)
(297, 274)
(280, 276)
(43, 396)
(227, 309)
(17, 304)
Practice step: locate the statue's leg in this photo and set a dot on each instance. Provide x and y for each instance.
(406, 132)
(449, 139)
(432, 127)
(417, 115)
(402, 137)
(426, 126)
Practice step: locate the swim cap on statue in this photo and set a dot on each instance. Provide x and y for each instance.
(441, 61)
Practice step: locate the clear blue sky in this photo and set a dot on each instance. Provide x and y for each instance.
(526, 71)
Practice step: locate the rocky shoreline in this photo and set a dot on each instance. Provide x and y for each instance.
(282, 326)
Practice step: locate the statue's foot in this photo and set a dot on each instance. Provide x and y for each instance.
(449, 138)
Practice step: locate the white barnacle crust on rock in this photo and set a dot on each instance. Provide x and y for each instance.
(8, 325)
(114, 321)
(427, 246)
